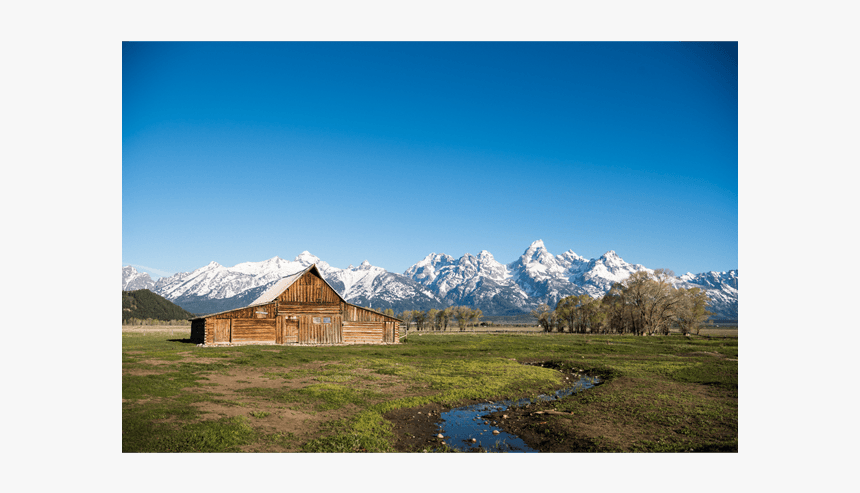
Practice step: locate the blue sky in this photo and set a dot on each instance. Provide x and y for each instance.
(238, 152)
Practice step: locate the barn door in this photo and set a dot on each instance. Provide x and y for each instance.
(222, 330)
(288, 329)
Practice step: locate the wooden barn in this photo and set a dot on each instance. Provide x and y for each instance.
(299, 309)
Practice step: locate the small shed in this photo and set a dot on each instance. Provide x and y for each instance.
(301, 308)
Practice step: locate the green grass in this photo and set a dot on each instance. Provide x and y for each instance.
(223, 435)
(664, 390)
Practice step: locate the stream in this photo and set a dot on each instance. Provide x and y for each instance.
(459, 426)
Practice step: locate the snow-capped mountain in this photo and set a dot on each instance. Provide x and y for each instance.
(538, 276)
(544, 276)
(133, 280)
(368, 285)
(722, 289)
(214, 287)
(437, 281)
(596, 276)
(477, 281)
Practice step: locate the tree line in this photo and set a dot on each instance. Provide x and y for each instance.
(440, 319)
(643, 304)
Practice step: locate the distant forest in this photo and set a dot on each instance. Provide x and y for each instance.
(145, 307)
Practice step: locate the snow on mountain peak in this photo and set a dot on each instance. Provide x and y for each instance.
(365, 264)
(538, 254)
(133, 280)
(485, 255)
(307, 257)
(536, 245)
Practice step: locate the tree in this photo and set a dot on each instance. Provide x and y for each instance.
(596, 316)
(691, 310)
(618, 311)
(462, 314)
(580, 313)
(406, 316)
(443, 317)
(389, 312)
(651, 300)
(433, 318)
(544, 317)
(475, 316)
(420, 319)
(648, 303)
(565, 314)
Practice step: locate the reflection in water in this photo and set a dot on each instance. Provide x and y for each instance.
(462, 424)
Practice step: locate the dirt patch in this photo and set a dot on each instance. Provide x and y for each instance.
(284, 426)
(188, 358)
(416, 427)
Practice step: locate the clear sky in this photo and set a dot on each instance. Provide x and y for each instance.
(238, 152)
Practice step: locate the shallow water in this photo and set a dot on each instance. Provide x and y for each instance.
(461, 425)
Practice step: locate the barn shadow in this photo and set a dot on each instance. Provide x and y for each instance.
(184, 341)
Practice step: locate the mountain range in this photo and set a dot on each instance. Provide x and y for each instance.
(437, 281)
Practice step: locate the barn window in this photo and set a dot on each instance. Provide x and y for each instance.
(316, 320)
(326, 320)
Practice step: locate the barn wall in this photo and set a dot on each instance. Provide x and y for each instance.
(363, 326)
(362, 332)
(210, 334)
(253, 330)
(247, 324)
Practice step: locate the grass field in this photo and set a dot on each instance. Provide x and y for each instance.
(667, 393)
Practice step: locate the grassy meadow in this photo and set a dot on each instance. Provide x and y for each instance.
(660, 394)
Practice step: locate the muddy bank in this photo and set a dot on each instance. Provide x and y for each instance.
(543, 430)
(416, 427)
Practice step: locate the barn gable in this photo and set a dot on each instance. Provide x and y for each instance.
(313, 288)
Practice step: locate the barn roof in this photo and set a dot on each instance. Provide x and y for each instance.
(279, 287)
